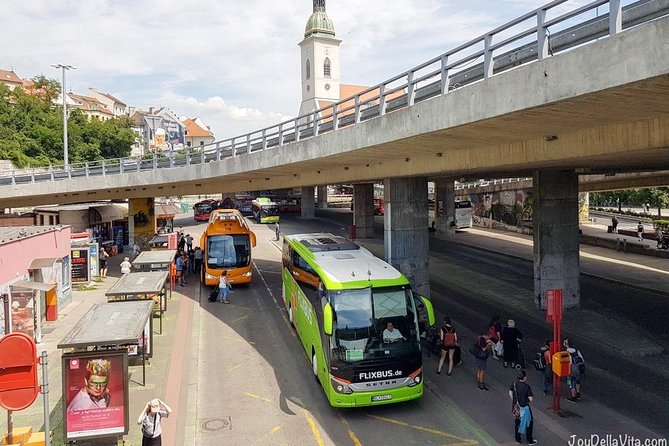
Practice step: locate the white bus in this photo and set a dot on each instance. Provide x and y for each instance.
(463, 214)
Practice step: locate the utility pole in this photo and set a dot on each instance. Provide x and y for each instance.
(64, 68)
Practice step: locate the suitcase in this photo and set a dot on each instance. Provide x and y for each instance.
(457, 355)
(213, 296)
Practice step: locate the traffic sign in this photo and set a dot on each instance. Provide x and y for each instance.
(18, 371)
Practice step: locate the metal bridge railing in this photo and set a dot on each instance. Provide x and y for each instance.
(539, 34)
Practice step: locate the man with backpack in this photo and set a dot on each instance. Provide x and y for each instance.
(576, 371)
(449, 342)
(543, 364)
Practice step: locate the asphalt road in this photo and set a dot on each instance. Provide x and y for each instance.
(252, 381)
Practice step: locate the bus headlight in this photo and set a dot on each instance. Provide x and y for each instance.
(209, 276)
(415, 378)
(340, 385)
(247, 274)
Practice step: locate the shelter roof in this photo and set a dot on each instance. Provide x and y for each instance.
(114, 323)
(139, 283)
(155, 257)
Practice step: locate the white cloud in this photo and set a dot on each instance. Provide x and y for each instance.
(233, 63)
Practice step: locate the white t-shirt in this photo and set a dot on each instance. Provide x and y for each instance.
(125, 267)
(392, 335)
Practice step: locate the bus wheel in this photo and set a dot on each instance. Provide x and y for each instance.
(314, 364)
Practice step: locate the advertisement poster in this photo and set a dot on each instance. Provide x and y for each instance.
(145, 341)
(95, 393)
(23, 312)
(80, 268)
(94, 259)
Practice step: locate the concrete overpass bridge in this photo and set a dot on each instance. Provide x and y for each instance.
(553, 94)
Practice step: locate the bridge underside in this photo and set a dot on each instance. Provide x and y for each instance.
(598, 109)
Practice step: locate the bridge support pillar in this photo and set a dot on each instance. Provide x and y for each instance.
(141, 221)
(556, 236)
(307, 204)
(322, 196)
(405, 238)
(363, 210)
(444, 207)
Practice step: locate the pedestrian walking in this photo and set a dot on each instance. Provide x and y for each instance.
(576, 371)
(546, 363)
(614, 224)
(495, 332)
(510, 338)
(521, 396)
(224, 288)
(150, 420)
(126, 265)
(639, 231)
(135, 249)
(197, 260)
(481, 350)
(191, 260)
(449, 341)
(104, 256)
(180, 270)
(189, 242)
(277, 230)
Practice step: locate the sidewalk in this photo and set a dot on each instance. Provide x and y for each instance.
(156, 369)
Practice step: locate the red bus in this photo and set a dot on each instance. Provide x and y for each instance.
(202, 209)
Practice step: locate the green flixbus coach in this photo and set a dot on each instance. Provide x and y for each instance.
(341, 299)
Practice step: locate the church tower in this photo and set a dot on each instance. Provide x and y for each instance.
(320, 61)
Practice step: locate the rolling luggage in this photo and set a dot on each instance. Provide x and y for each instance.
(213, 295)
(457, 355)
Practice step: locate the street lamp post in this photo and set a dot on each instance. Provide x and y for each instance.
(64, 68)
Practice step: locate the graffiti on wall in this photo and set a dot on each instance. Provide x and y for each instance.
(511, 207)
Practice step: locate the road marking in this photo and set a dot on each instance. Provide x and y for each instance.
(235, 367)
(239, 340)
(314, 429)
(462, 441)
(351, 434)
(269, 290)
(258, 397)
(239, 319)
(270, 433)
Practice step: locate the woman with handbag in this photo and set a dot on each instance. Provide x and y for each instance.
(521, 396)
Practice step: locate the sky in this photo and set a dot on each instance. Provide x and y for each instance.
(233, 63)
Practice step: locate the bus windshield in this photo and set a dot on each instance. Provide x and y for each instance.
(202, 208)
(360, 318)
(228, 251)
(269, 210)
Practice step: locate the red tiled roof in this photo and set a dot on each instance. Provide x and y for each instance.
(8, 76)
(193, 130)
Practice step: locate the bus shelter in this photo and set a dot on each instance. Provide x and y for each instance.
(163, 241)
(152, 285)
(154, 260)
(95, 368)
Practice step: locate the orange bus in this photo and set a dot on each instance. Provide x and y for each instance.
(226, 246)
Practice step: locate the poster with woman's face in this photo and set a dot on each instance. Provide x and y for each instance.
(23, 312)
(95, 394)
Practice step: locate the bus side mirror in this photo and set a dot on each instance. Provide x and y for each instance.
(253, 239)
(327, 319)
(430, 311)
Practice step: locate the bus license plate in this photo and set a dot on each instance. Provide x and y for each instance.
(382, 398)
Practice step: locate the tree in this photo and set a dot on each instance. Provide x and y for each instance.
(31, 129)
